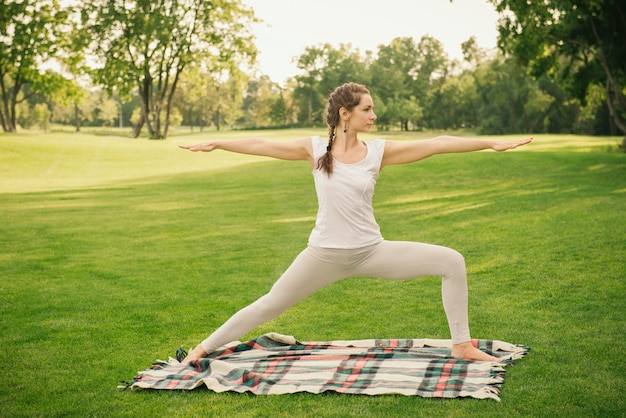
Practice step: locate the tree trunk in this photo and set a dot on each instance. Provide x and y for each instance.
(8, 115)
(5, 117)
(137, 127)
(13, 104)
(167, 121)
(201, 117)
(614, 116)
(145, 94)
(4, 125)
(217, 118)
(157, 123)
(611, 85)
(168, 107)
(77, 117)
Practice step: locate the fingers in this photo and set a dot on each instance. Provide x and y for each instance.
(509, 145)
(520, 143)
(197, 147)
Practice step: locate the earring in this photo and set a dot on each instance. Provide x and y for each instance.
(345, 127)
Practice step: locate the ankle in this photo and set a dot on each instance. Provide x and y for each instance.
(468, 351)
(464, 346)
(195, 354)
(199, 351)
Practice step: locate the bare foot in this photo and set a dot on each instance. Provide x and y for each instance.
(467, 351)
(195, 354)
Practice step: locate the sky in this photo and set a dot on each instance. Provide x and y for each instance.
(289, 26)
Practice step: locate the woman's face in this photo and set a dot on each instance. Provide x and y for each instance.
(362, 116)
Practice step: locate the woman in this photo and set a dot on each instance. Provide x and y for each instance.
(346, 240)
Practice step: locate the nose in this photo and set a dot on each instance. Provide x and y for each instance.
(374, 117)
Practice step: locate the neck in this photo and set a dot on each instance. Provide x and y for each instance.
(346, 140)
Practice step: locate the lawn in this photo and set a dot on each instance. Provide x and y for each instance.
(114, 252)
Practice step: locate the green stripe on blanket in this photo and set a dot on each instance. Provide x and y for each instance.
(278, 364)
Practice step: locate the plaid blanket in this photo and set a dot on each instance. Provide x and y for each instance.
(279, 364)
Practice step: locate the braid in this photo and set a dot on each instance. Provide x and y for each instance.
(331, 138)
(347, 95)
(325, 163)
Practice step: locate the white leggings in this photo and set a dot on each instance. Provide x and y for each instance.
(315, 268)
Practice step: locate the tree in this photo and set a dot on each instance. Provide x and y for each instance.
(279, 113)
(453, 104)
(41, 115)
(147, 44)
(307, 93)
(191, 96)
(395, 69)
(325, 67)
(68, 93)
(406, 72)
(509, 100)
(404, 111)
(107, 111)
(30, 33)
(343, 64)
(226, 98)
(260, 101)
(430, 67)
(581, 41)
(285, 110)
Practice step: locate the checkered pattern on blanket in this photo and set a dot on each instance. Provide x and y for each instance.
(279, 364)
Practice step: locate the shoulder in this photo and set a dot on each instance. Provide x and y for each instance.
(377, 144)
(318, 146)
(376, 151)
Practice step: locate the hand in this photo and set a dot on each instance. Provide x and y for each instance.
(204, 147)
(507, 145)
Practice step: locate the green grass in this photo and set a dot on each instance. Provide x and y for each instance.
(114, 252)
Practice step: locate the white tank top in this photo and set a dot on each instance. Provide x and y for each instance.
(345, 216)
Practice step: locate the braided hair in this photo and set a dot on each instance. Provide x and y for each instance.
(347, 95)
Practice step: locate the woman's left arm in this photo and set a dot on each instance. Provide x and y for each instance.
(403, 152)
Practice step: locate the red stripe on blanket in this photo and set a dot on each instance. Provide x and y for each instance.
(442, 384)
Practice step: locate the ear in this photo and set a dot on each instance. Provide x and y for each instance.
(344, 113)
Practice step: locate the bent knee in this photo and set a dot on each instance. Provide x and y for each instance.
(456, 258)
(455, 263)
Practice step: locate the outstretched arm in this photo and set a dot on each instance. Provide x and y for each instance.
(300, 149)
(403, 152)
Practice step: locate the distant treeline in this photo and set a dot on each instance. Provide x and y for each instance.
(560, 68)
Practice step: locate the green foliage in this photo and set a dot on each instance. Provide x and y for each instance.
(147, 44)
(580, 42)
(116, 251)
(453, 105)
(263, 104)
(41, 114)
(207, 97)
(29, 35)
(405, 69)
(509, 101)
(404, 111)
(192, 59)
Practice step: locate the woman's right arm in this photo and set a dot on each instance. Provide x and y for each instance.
(300, 149)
